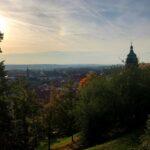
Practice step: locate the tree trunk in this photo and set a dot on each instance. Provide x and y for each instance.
(25, 133)
(49, 141)
(72, 139)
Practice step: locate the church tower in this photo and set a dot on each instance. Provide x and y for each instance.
(28, 73)
(132, 59)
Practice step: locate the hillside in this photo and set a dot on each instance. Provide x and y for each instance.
(126, 142)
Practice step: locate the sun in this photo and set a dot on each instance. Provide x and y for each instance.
(3, 24)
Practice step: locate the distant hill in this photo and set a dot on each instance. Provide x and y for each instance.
(50, 66)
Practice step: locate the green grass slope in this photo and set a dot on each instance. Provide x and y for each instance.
(61, 144)
(126, 142)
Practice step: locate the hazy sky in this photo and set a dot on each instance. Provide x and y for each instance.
(74, 31)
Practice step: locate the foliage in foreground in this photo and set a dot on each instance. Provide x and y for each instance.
(145, 139)
(61, 143)
(105, 107)
(20, 125)
(111, 105)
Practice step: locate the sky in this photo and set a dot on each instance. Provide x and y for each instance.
(74, 31)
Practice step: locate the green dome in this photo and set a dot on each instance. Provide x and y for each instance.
(131, 58)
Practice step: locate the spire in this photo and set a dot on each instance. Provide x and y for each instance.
(131, 47)
(28, 72)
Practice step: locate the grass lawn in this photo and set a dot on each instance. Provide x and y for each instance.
(126, 142)
(60, 144)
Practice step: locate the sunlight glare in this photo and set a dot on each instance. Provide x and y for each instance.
(3, 24)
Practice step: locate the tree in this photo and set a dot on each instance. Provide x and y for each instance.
(25, 110)
(145, 139)
(113, 104)
(65, 105)
(133, 86)
(1, 38)
(59, 113)
(5, 115)
(95, 110)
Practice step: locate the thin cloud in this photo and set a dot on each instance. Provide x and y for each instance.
(75, 25)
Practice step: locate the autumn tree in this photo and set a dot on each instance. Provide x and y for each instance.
(59, 112)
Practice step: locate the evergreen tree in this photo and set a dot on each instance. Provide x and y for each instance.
(5, 117)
